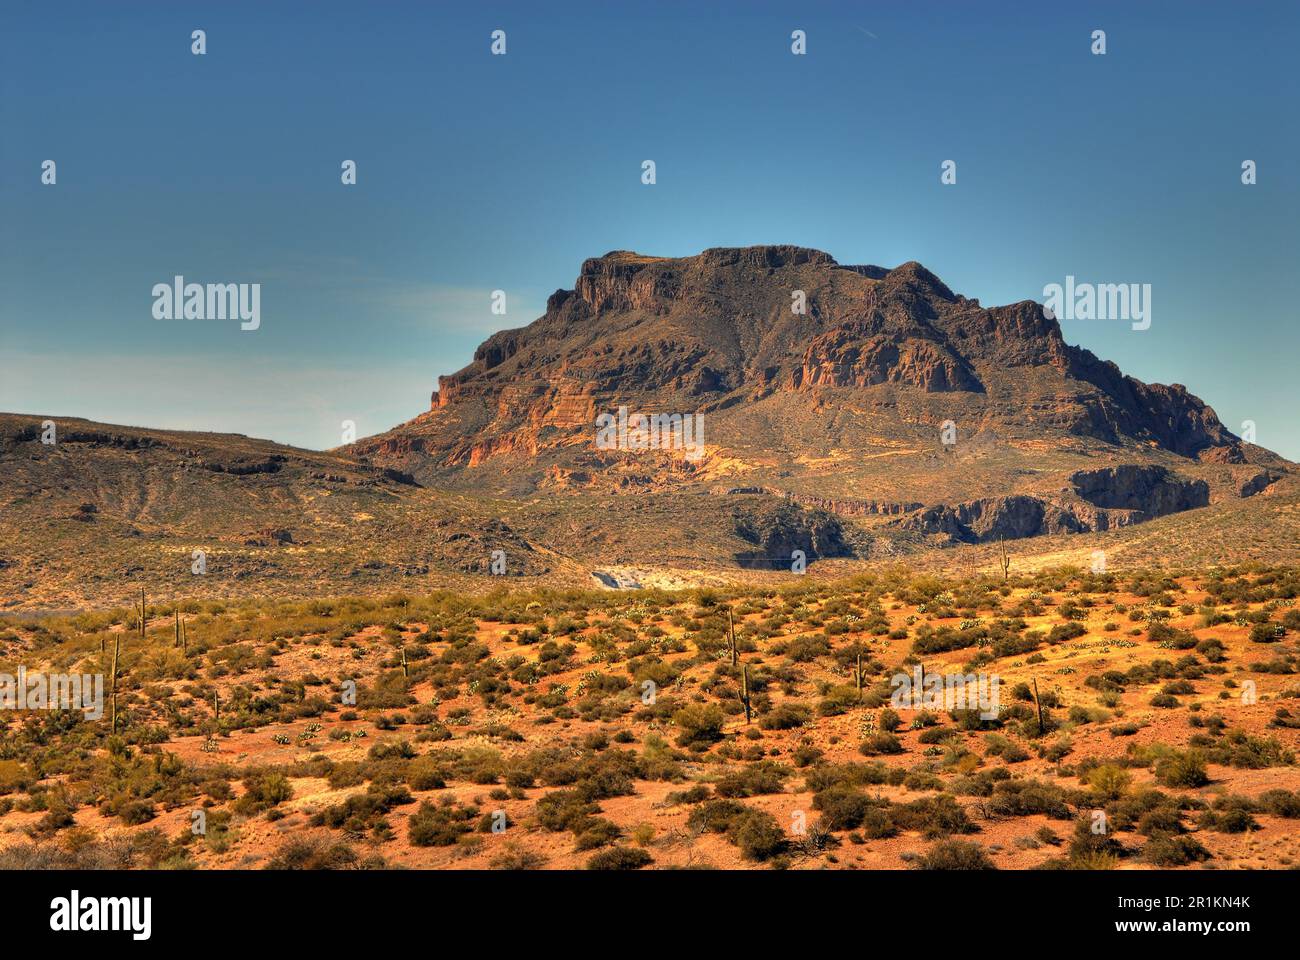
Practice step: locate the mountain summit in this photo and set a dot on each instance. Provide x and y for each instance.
(794, 360)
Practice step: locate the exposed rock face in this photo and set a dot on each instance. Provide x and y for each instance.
(1108, 497)
(778, 528)
(845, 358)
(979, 521)
(1151, 490)
(1258, 483)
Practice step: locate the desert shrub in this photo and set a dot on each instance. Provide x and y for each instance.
(757, 834)
(1065, 631)
(1170, 850)
(135, 812)
(842, 807)
(564, 809)
(806, 648)
(787, 716)
(1240, 749)
(715, 816)
(934, 816)
(758, 778)
(620, 858)
(1280, 803)
(440, 825)
(1110, 780)
(698, 725)
(1160, 820)
(1229, 815)
(880, 743)
(515, 857)
(1267, 632)
(13, 777)
(426, 773)
(696, 794)
(996, 745)
(935, 735)
(363, 811)
(826, 775)
(1182, 769)
(1023, 798)
(840, 699)
(1089, 850)
(955, 855)
(313, 853)
(263, 791)
(595, 832)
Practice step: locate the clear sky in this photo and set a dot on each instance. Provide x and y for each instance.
(480, 172)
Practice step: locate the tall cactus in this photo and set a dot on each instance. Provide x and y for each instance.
(117, 646)
(744, 692)
(731, 626)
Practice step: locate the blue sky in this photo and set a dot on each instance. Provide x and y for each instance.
(478, 172)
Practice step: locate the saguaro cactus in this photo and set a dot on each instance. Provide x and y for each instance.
(731, 626)
(142, 612)
(117, 646)
(1004, 558)
(857, 675)
(406, 671)
(744, 692)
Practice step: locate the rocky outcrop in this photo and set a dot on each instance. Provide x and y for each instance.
(980, 521)
(1257, 483)
(1107, 498)
(1152, 490)
(843, 358)
(779, 528)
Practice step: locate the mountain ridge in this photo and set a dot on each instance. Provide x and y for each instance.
(717, 330)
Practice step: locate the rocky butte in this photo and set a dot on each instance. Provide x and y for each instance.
(838, 408)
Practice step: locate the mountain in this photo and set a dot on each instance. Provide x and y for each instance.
(891, 419)
(830, 385)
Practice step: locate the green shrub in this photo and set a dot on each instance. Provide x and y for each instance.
(955, 855)
(1182, 769)
(620, 858)
(698, 724)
